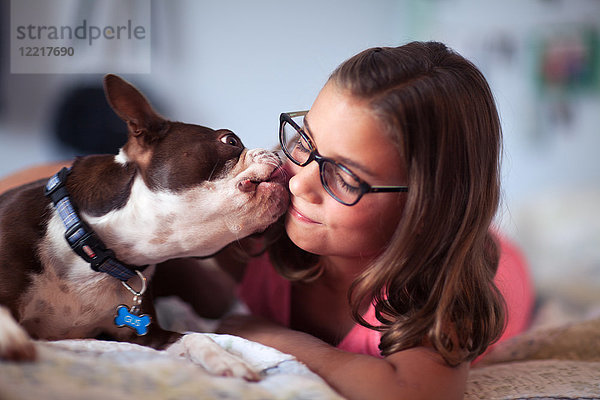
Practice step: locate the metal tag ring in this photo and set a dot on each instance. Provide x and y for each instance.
(142, 290)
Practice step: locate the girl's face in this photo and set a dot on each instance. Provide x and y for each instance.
(343, 128)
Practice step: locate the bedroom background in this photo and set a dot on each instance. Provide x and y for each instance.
(239, 64)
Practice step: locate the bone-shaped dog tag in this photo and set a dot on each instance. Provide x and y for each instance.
(126, 318)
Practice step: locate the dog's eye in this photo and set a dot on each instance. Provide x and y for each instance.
(231, 140)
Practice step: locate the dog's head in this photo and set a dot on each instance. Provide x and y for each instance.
(206, 182)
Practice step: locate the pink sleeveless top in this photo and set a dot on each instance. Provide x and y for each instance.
(268, 295)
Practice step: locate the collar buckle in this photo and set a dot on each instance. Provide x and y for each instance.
(87, 245)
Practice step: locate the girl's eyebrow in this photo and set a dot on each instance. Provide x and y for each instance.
(346, 162)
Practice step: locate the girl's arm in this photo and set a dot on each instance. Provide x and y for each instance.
(418, 373)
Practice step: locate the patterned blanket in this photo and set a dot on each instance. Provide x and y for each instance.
(93, 369)
(560, 362)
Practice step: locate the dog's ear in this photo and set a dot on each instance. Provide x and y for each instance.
(133, 108)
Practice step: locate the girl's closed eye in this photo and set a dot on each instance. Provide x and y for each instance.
(345, 182)
(302, 146)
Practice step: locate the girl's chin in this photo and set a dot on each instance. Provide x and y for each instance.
(303, 237)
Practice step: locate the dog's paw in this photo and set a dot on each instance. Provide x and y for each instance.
(15, 344)
(202, 350)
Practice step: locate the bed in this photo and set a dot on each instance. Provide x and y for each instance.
(94, 369)
(561, 362)
(556, 361)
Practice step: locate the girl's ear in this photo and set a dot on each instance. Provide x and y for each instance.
(133, 108)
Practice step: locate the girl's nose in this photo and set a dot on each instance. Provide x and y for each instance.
(305, 182)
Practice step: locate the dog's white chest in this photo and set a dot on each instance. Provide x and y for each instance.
(68, 299)
(56, 308)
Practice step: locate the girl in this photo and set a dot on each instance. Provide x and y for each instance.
(394, 182)
(380, 277)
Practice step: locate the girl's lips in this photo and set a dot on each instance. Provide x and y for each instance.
(299, 216)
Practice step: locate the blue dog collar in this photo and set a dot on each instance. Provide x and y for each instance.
(81, 238)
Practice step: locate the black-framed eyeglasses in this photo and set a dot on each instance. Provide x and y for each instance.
(339, 181)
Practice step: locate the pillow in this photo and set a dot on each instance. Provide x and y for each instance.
(576, 341)
(540, 379)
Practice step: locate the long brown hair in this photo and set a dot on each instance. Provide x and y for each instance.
(433, 282)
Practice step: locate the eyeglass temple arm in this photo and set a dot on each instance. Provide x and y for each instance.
(376, 189)
(295, 114)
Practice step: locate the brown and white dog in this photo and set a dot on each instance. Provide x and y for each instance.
(174, 190)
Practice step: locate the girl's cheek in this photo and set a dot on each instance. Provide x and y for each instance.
(290, 170)
(288, 167)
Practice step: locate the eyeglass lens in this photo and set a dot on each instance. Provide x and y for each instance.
(337, 180)
(295, 146)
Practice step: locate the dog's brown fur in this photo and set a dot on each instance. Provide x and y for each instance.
(164, 159)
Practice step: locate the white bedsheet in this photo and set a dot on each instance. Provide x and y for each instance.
(93, 369)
